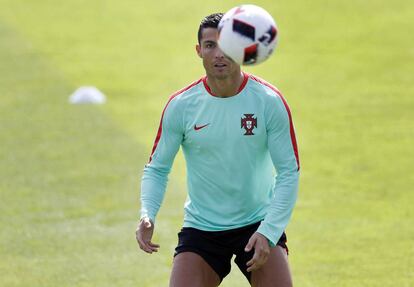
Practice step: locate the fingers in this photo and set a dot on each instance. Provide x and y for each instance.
(147, 245)
(259, 259)
(252, 263)
(153, 245)
(250, 244)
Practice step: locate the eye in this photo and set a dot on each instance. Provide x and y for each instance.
(209, 45)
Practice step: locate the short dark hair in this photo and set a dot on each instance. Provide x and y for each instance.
(210, 21)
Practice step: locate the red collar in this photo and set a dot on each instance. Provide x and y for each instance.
(243, 84)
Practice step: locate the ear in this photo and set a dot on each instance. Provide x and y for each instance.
(198, 49)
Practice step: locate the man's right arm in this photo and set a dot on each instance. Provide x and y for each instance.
(166, 145)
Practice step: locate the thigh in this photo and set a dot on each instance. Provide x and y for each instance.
(191, 270)
(207, 245)
(275, 272)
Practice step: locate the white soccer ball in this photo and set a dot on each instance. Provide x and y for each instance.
(247, 34)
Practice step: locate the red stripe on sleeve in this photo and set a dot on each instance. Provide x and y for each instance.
(157, 138)
(292, 129)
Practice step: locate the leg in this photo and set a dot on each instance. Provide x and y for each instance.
(191, 270)
(275, 272)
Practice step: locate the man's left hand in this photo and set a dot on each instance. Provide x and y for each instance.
(261, 251)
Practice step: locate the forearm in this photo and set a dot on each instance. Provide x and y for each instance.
(281, 207)
(153, 186)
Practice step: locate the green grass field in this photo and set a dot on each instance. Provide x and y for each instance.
(69, 175)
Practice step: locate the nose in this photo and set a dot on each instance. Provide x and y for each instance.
(219, 53)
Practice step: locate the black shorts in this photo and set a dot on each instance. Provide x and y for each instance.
(218, 247)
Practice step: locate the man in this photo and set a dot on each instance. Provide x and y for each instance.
(234, 129)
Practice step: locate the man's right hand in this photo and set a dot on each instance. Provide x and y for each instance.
(144, 233)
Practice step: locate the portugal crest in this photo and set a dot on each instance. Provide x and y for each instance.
(248, 123)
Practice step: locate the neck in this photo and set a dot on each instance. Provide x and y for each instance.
(226, 87)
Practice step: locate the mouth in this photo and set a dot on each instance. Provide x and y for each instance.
(220, 65)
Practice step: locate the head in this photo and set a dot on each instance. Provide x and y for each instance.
(215, 63)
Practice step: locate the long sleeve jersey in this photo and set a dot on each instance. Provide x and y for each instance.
(241, 156)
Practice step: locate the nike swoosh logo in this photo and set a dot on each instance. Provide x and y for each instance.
(196, 128)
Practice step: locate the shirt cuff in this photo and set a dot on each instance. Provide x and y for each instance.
(270, 233)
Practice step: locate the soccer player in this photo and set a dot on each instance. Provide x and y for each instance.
(235, 130)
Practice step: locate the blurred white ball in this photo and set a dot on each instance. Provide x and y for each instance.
(247, 34)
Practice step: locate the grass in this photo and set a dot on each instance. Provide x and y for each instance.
(70, 174)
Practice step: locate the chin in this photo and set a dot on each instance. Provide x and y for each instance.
(221, 75)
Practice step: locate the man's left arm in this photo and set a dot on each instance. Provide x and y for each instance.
(284, 153)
